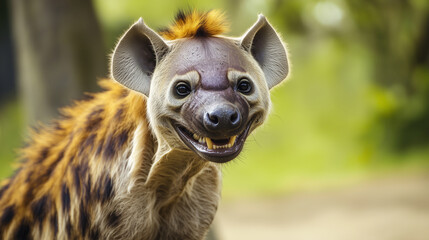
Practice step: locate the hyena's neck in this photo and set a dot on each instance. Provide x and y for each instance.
(98, 172)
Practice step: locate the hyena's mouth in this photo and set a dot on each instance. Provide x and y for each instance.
(215, 150)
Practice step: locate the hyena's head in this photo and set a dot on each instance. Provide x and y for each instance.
(206, 92)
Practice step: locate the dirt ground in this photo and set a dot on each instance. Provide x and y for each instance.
(387, 209)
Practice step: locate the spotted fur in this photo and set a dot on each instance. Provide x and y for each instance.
(109, 168)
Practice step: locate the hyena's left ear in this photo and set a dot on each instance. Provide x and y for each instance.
(136, 56)
(265, 45)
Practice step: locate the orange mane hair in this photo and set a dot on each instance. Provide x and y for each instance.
(196, 24)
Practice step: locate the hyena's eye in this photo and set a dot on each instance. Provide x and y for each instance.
(244, 86)
(183, 89)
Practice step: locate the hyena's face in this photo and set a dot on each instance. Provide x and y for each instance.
(205, 93)
(211, 94)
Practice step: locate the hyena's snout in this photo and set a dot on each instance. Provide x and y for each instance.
(224, 117)
(215, 124)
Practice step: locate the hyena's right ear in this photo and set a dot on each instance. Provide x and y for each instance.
(136, 56)
(265, 45)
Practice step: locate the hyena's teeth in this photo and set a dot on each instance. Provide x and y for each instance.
(196, 137)
(209, 143)
(222, 146)
(232, 141)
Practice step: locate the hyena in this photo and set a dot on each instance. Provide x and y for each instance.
(142, 159)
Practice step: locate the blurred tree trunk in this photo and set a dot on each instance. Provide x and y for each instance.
(59, 53)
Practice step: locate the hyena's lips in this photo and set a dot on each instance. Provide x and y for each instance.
(215, 150)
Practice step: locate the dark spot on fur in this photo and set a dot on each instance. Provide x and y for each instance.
(122, 138)
(94, 119)
(69, 228)
(7, 216)
(94, 124)
(60, 156)
(181, 15)
(108, 188)
(43, 154)
(76, 177)
(44, 177)
(54, 164)
(113, 219)
(65, 198)
(22, 231)
(79, 176)
(90, 140)
(87, 97)
(104, 190)
(114, 143)
(54, 223)
(29, 195)
(109, 148)
(88, 144)
(99, 149)
(119, 113)
(94, 234)
(29, 176)
(41, 175)
(83, 219)
(4, 189)
(124, 93)
(87, 189)
(201, 31)
(40, 209)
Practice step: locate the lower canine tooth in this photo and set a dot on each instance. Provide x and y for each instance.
(196, 136)
(209, 143)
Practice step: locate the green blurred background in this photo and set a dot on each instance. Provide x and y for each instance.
(355, 107)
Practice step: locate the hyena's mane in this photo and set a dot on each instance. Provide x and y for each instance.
(188, 24)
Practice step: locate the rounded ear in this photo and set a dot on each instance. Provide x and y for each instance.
(265, 45)
(136, 55)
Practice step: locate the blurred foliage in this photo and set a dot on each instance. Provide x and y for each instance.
(355, 105)
(11, 135)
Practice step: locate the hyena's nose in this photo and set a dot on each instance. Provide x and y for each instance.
(222, 118)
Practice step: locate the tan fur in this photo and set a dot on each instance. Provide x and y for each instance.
(146, 204)
(194, 23)
(113, 166)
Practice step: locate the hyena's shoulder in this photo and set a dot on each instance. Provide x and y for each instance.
(55, 172)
